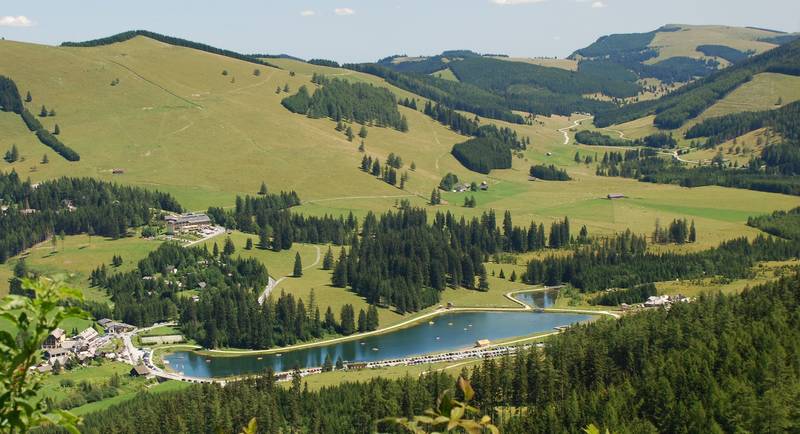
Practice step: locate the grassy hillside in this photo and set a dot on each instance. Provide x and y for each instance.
(684, 43)
(176, 123)
(174, 105)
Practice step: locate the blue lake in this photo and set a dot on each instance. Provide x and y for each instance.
(448, 332)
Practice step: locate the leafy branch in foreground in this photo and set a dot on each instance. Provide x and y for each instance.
(450, 415)
(31, 319)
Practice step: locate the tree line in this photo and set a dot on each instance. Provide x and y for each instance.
(781, 164)
(657, 140)
(269, 217)
(623, 261)
(784, 121)
(784, 224)
(11, 101)
(70, 206)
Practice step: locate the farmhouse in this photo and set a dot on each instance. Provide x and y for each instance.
(615, 196)
(54, 339)
(140, 370)
(484, 185)
(185, 222)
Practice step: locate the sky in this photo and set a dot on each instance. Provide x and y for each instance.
(367, 30)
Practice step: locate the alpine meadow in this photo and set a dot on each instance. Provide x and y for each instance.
(580, 219)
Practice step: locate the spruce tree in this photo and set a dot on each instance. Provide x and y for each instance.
(228, 249)
(362, 132)
(248, 245)
(327, 261)
(349, 133)
(263, 240)
(298, 266)
(28, 97)
(327, 366)
(43, 112)
(362, 321)
(263, 190)
(56, 130)
(483, 282)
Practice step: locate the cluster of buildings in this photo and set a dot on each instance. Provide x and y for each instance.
(181, 223)
(463, 187)
(659, 301)
(61, 349)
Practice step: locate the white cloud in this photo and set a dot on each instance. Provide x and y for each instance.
(307, 13)
(598, 4)
(515, 2)
(20, 21)
(344, 11)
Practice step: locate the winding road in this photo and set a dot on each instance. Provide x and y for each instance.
(575, 123)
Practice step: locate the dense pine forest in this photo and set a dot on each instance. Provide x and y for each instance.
(403, 261)
(720, 364)
(784, 224)
(269, 217)
(784, 121)
(353, 102)
(69, 206)
(624, 261)
(549, 173)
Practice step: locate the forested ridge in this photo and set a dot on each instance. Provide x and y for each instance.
(71, 206)
(724, 363)
(354, 102)
(784, 121)
(689, 101)
(596, 138)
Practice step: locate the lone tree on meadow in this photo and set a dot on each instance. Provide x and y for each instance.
(248, 245)
(263, 190)
(28, 97)
(362, 132)
(45, 160)
(56, 130)
(43, 112)
(298, 265)
(349, 133)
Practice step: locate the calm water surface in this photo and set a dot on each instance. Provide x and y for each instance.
(452, 331)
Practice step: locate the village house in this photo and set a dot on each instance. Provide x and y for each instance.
(484, 185)
(55, 339)
(141, 370)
